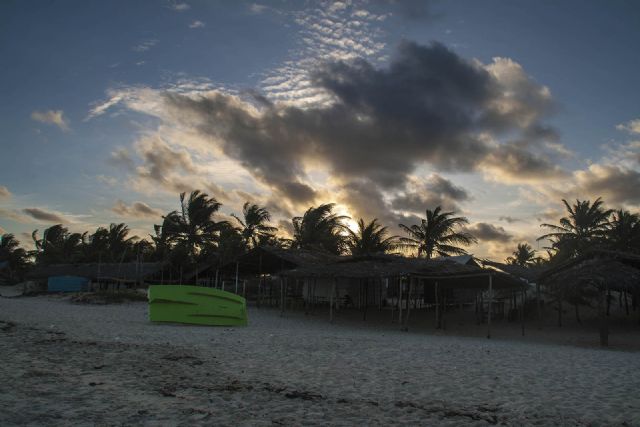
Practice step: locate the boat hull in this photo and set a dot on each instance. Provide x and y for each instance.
(196, 305)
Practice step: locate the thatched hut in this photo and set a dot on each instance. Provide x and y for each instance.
(80, 275)
(592, 277)
(380, 279)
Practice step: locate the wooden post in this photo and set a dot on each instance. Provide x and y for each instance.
(223, 285)
(237, 266)
(406, 317)
(490, 305)
(604, 327)
(524, 299)
(443, 319)
(244, 288)
(281, 296)
(333, 291)
(400, 293)
(437, 307)
(626, 302)
(539, 315)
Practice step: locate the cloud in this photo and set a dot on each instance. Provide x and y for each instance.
(489, 233)
(509, 219)
(632, 126)
(179, 7)
(136, 210)
(144, 45)
(43, 215)
(427, 107)
(4, 192)
(256, 8)
(14, 215)
(615, 184)
(53, 117)
(436, 190)
(197, 24)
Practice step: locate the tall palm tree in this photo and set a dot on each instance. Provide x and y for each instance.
(524, 255)
(58, 245)
(319, 227)
(585, 226)
(16, 257)
(254, 224)
(370, 239)
(194, 226)
(438, 235)
(624, 231)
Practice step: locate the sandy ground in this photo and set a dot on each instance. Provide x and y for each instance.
(64, 363)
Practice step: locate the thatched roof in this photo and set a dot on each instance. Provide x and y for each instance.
(271, 260)
(600, 268)
(104, 271)
(530, 274)
(448, 273)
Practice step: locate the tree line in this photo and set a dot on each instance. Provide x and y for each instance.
(192, 235)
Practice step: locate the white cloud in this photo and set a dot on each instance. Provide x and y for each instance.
(632, 126)
(197, 24)
(53, 117)
(144, 45)
(4, 192)
(179, 7)
(256, 8)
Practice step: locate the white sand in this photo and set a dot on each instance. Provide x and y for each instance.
(63, 363)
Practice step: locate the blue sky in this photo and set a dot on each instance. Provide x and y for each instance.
(89, 135)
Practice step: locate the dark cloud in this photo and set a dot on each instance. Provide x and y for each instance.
(489, 232)
(434, 191)
(136, 210)
(42, 215)
(430, 105)
(616, 185)
(509, 219)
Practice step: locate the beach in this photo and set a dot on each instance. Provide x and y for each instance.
(64, 363)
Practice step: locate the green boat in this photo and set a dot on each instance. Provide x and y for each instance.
(196, 305)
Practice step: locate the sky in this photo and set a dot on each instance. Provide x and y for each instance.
(496, 110)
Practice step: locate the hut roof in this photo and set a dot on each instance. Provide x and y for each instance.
(616, 270)
(468, 259)
(93, 271)
(449, 273)
(271, 260)
(530, 274)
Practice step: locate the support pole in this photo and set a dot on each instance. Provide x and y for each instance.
(490, 304)
(406, 317)
(237, 267)
(437, 307)
(333, 291)
(400, 292)
(539, 315)
(523, 296)
(281, 296)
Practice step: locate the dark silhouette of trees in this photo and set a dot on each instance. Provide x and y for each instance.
(438, 234)
(320, 228)
(370, 239)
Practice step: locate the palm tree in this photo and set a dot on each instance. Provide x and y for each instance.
(624, 231)
(58, 245)
(16, 257)
(254, 227)
(193, 226)
(370, 239)
(585, 226)
(524, 255)
(319, 227)
(437, 235)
